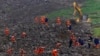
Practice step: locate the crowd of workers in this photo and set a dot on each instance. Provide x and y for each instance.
(73, 40)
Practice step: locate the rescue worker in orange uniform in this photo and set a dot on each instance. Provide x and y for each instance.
(10, 52)
(36, 51)
(23, 35)
(76, 43)
(42, 19)
(39, 51)
(13, 39)
(58, 21)
(7, 31)
(22, 52)
(54, 52)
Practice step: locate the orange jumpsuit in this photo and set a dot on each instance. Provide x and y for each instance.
(23, 34)
(58, 21)
(39, 51)
(7, 31)
(54, 52)
(42, 20)
(9, 51)
(13, 39)
(22, 52)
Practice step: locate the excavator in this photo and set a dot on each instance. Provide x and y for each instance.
(77, 9)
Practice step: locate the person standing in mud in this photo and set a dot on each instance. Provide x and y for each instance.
(96, 42)
(76, 44)
(81, 41)
(22, 52)
(7, 33)
(23, 35)
(73, 40)
(58, 21)
(54, 52)
(39, 51)
(44, 20)
(90, 37)
(89, 44)
(69, 26)
(10, 52)
(36, 20)
(70, 43)
(13, 40)
(58, 44)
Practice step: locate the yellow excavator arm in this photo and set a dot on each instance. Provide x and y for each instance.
(77, 9)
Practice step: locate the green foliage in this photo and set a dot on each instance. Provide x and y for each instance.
(61, 13)
(96, 32)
